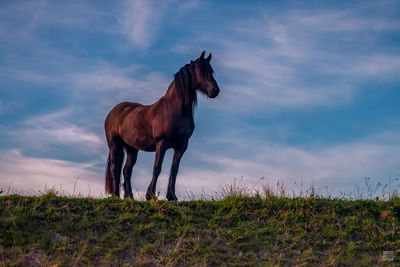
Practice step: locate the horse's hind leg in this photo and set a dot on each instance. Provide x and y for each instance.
(131, 156)
(116, 159)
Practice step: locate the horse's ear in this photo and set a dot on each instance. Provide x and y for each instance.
(202, 54)
(209, 58)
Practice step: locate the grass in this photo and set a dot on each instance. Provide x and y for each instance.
(238, 228)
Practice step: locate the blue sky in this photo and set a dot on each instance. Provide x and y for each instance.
(309, 90)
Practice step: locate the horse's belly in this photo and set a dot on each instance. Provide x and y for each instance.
(135, 131)
(145, 145)
(141, 143)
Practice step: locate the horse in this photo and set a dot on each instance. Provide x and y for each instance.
(168, 123)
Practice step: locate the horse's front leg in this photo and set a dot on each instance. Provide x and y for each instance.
(178, 153)
(160, 152)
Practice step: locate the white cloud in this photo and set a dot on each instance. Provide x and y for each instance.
(40, 133)
(339, 167)
(186, 6)
(124, 82)
(94, 78)
(64, 134)
(24, 19)
(304, 59)
(31, 76)
(141, 20)
(29, 175)
(266, 81)
(349, 20)
(378, 66)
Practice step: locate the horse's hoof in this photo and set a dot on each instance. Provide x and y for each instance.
(149, 195)
(128, 196)
(171, 197)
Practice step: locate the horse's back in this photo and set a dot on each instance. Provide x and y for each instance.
(115, 117)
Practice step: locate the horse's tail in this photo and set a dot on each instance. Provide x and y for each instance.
(109, 179)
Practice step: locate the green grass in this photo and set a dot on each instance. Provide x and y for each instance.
(235, 230)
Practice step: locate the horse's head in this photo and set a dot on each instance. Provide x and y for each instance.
(203, 76)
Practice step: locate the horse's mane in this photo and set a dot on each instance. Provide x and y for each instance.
(183, 85)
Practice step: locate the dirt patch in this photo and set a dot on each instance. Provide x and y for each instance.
(35, 257)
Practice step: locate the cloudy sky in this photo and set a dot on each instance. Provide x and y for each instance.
(309, 90)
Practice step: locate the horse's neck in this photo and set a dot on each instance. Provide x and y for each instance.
(174, 100)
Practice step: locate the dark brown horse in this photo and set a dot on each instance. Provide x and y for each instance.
(168, 123)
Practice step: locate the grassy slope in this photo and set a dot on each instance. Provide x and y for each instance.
(50, 230)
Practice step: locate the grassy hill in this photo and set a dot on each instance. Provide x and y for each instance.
(236, 230)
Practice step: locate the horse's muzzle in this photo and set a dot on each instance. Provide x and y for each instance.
(214, 92)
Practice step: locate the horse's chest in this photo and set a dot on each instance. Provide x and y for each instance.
(178, 130)
(182, 129)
